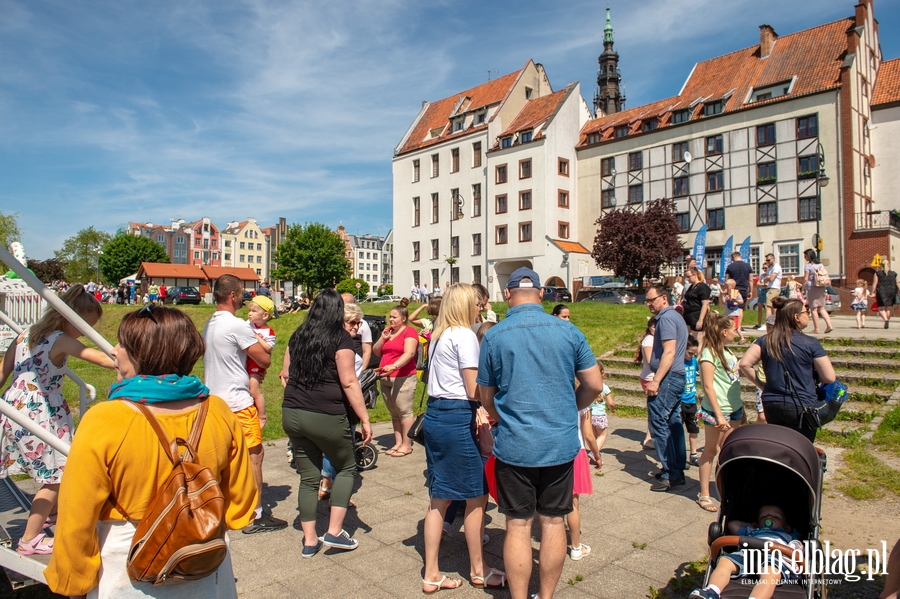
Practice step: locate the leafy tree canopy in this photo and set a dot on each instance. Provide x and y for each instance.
(634, 245)
(81, 253)
(49, 270)
(9, 228)
(349, 286)
(123, 255)
(312, 256)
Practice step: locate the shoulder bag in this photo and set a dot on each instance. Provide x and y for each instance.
(417, 430)
(819, 413)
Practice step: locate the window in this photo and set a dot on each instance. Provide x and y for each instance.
(715, 181)
(481, 118)
(500, 173)
(500, 233)
(525, 136)
(593, 138)
(435, 277)
(179, 239)
(416, 215)
(680, 187)
(649, 125)
(524, 169)
(765, 135)
(635, 161)
(228, 256)
(766, 173)
(476, 154)
(454, 275)
(258, 247)
(476, 274)
(563, 230)
(258, 259)
(635, 194)
(506, 142)
(196, 242)
(161, 238)
(455, 209)
(476, 199)
(454, 160)
(713, 145)
(525, 231)
(416, 171)
(807, 167)
(476, 244)
(682, 116)
(808, 209)
(713, 108)
(563, 199)
(435, 165)
(500, 204)
(678, 150)
(767, 213)
(415, 257)
(715, 219)
(608, 198)
(607, 166)
(415, 275)
(242, 244)
(621, 131)
(240, 260)
(213, 243)
(454, 247)
(563, 167)
(435, 208)
(808, 126)
(360, 255)
(528, 92)
(789, 257)
(435, 249)
(197, 256)
(683, 220)
(525, 200)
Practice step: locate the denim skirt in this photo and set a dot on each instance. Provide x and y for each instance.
(455, 465)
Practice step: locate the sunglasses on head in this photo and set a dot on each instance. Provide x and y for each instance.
(147, 312)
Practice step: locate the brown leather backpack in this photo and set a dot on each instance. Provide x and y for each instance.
(182, 534)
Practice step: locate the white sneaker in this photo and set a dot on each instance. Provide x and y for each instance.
(761, 328)
(579, 552)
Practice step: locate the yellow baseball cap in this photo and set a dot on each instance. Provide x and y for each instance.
(265, 303)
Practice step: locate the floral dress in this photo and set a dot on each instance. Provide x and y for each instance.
(36, 390)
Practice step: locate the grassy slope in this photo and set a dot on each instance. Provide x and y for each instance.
(605, 326)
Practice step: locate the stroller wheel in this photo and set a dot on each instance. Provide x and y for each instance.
(366, 456)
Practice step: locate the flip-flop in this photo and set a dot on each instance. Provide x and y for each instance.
(439, 585)
(399, 454)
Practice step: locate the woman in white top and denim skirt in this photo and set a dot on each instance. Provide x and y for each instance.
(455, 464)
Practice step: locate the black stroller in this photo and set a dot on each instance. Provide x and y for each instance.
(769, 464)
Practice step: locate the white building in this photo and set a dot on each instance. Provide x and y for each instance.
(368, 259)
(484, 183)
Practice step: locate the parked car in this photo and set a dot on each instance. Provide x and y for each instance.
(556, 294)
(611, 296)
(387, 299)
(182, 295)
(248, 295)
(832, 300)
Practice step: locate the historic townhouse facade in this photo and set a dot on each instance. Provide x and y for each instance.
(368, 262)
(246, 246)
(185, 243)
(770, 142)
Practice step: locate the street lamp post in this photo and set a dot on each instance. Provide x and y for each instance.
(821, 181)
(99, 253)
(456, 204)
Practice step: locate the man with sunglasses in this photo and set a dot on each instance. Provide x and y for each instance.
(665, 390)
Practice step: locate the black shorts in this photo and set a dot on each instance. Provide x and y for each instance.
(689, 415)
(546, 490)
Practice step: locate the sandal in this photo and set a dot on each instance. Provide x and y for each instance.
(398, 454)
(40, 545)
(439, 585)
(324, 490)
(706, 502)
(484, 582)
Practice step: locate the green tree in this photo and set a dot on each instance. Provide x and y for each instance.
(123, 255)
(349, 286)
(81, 253)
(9, 228)
(312, 256)
(48, 270)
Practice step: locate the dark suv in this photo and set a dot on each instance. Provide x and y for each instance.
(182, 295)
(556, 294)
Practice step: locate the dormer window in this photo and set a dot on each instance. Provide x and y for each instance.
(621, 130)
(649, 125)
(458, 125)
(758, 94)
(528, 93)
(506, 142)
(681, 116)
(436, 132)
(713, 108)
(593, 138)
(481, 118)
(525, 136)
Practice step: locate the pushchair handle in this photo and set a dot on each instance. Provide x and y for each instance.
(742, 542)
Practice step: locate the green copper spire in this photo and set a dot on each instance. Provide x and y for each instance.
(608, 30)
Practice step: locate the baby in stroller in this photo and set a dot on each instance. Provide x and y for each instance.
(771, 525)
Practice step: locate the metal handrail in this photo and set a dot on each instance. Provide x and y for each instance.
(86, 391)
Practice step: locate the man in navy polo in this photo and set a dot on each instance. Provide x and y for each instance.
(527, 371)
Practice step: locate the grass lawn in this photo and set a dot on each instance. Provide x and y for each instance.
(606, 326)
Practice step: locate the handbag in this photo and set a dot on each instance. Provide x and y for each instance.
(417, 430)
(819, 413)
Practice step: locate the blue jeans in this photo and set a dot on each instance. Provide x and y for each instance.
(666, 426)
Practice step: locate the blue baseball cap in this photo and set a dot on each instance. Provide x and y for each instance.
(516, 279)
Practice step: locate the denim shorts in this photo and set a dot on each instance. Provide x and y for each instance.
(455, 464)
(710, 417)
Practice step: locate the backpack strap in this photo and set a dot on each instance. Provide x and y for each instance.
(171, 447)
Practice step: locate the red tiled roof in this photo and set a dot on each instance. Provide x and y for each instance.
(887, 85)
(438, 113)
(814, 56)
(244, 274)
(172, 271)
(536, 112)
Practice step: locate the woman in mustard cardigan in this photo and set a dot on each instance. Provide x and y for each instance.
(116, 454)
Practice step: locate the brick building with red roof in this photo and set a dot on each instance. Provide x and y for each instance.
(771, 142)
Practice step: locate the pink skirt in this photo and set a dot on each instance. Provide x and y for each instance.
(584, 484)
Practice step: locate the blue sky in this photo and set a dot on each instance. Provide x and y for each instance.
(123, 110)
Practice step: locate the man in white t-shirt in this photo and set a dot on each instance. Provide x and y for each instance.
(229, 341)
(365, 333)
(773, 285)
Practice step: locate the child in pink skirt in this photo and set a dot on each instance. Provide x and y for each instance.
(583, 486)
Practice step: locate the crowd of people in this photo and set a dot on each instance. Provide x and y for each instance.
(491, 392)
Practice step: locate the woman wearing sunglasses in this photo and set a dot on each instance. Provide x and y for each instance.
(793, 362)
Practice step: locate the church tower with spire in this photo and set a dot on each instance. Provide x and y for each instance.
(608, 98)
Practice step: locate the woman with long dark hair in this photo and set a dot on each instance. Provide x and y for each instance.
(696, 302)
(321, 382)
(792, 362)
(885, 291)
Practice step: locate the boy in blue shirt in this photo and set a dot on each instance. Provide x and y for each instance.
(689, 398)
